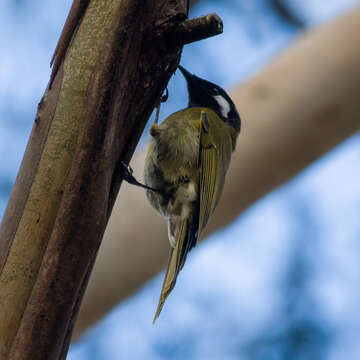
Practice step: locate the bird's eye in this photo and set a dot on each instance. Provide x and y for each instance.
(215, 91)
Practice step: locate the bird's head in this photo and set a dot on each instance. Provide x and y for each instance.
(203, 93)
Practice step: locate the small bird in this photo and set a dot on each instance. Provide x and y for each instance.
(185, 168)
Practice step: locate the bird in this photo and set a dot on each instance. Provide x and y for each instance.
(185, 167)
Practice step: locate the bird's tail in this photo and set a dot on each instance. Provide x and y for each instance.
(185, 240)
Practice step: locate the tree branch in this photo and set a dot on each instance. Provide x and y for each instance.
(301, 106)
(73, 20)
(197, 29)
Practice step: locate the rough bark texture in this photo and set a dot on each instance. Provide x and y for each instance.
(111, 66)
(72, 23)
(302, 105)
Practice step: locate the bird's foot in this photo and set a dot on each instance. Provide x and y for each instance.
(163, 98)
(130, 178)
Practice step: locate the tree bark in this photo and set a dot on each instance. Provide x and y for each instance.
(111, 66)
(301, 106)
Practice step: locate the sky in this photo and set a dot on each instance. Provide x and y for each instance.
(287, 264)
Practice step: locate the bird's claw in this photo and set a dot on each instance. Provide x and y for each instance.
(130, 178)
(128, 173)
(165, 97)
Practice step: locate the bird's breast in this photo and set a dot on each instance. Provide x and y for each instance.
(172, 163)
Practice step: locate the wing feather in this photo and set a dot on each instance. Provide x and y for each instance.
(215, 148)
(214, 158)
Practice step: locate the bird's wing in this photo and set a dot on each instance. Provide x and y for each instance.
(215, 147)
(214, 158)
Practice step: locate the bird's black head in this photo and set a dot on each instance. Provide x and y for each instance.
(203, 93)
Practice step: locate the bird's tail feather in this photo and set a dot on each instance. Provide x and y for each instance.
(176, 261)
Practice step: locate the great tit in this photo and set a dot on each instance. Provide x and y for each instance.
(185, 168)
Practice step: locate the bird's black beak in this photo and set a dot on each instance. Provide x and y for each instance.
(188, 76)
(193, 83)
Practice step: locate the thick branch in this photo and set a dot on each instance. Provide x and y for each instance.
(302, 105)
(73, 20)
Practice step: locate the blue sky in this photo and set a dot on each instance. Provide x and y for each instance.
(240, 272)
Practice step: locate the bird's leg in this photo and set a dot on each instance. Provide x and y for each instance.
(130, 178)
(162, 99)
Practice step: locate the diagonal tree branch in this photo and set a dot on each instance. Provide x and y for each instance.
(72, 23)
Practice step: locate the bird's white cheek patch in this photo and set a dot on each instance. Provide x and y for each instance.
(224, 105)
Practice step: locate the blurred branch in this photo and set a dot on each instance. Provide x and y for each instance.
(283, 10)
(301, 106)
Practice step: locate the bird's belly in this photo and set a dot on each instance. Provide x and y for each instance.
(176, 200)
(178, 183)
(172, 166)
(182, 202)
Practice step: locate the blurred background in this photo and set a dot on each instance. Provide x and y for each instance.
(279, 283)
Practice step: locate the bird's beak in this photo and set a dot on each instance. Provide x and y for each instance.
(193, 85)
(188, 76)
